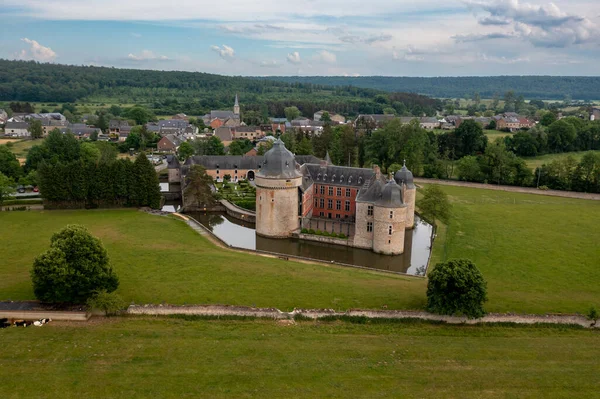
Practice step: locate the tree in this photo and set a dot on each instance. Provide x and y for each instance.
(139, 114)
(264, 147)
(304, 147)
(197, 191)
(547, 118)
(35, 129)
(6, 188)
(561, 136)
(109, 302)
(90, 153)
(434, 205)
(289, 139)
(469, 169)
(470, 138)
(185, 151)
(73, 269)
(145, 186)
(326, 118)
(9, 165)
(240, 147)
(115, 110)
(456, 287)
(291, 113)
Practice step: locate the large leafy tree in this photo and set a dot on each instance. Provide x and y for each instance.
(145, 186)
(9, 165)
(185, 151)
(291, 113)
(35, 129)
(6, 188)
(197, 191)
(434, 205)
(73, 269)
(456, 287)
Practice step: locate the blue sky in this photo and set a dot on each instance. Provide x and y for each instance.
(310, 37)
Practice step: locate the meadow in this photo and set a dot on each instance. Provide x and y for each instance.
(169, 357)
(535, 162)
(538, 254)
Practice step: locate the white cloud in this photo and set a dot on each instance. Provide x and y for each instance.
(294, 58)
(269, 64)
(147, 55)
(225, 52)
(136, 35)
(325, 57)
(36, 52)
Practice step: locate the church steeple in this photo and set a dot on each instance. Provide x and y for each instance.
(236, 105)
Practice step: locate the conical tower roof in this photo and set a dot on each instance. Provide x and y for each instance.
(279, 162)
(236, 104)
(328, 159)
(404, 176)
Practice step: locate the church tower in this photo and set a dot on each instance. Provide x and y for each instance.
(236, 105)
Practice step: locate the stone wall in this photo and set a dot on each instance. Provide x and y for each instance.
(237, 212)
(410, 196)
(362, 238)
(330, 225)
(327, 240)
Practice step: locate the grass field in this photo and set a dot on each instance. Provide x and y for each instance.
(158, 357)
(492, 135)
(539, 254)
(21, 147)
(535, 162)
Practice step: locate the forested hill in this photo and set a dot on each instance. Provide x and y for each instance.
(194, 93)
(530, 87)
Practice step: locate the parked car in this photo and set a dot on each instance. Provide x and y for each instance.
(21, 189)
(36, 189)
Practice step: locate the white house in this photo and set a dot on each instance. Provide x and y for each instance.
(17, 129)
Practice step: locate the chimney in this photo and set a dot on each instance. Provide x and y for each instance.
(377, 171)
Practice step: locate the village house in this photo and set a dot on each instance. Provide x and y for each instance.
(80, 130)
(595, 114)
(115, 127)
(511, 123)
(373, 121)
(218, 118)
(169, 143)
(247, 132)
(17, 129)
(3, 116)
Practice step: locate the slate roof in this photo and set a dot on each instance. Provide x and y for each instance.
(173, 123)
(173, 162)
(378, 118)
(114, 124)
(279, 162)
(339, 175)
(391, 196)
(223, 133)
(404, 176)
(221, 114)
(16, 125)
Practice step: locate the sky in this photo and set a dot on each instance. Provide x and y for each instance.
(310, 37)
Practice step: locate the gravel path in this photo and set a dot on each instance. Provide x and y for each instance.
(514, 189)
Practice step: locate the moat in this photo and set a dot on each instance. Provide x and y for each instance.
(239, 234)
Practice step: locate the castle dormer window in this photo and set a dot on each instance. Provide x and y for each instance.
(350, 180)
(319, 176)
(325, 177)
(342, 179)
(333, 178)
(360, 180)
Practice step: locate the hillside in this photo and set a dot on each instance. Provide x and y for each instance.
(194, 93)
(531, 87)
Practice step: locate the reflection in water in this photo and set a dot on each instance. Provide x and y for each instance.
(164, 187)
(242, 235)
(171, 206)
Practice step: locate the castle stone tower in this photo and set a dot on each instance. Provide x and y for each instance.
(389, 220)
(236, 105)
(404, 177)
(277, 185)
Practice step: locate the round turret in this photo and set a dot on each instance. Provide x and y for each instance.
(404, 176)
(391, 196)
(277, 185)
(279, 163)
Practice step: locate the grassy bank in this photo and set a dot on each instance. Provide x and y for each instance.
(257, 359)
(538, 254)
(534, 162)
(162, 259)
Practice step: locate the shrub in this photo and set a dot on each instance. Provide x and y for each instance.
(334, 234)
(456, 287)
(109, 302)
(342, 235)
(304, 231)
(75, 268)
(593, 314)
(311, 231)
(319, 233)
(326, 234)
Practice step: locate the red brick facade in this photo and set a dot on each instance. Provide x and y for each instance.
(333, 201)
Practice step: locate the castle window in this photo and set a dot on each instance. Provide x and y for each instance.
(322, 203)
(217, 171)
(316, 202)
(321, 214)
(337, 216)
(348, 192)
(370, 210)
(330, 190)
(338, 205)
(322, 190)
(390, 230)
(347, 206)
(339, 191)
(391, 214)
(329, 204)
(369, 227)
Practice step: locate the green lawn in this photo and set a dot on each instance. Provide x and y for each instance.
(21, 147)
(534, 162)
(538, 254)
(162, 259)
(492, 135)
(158, 357)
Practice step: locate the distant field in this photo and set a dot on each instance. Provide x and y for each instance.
(492, 135)
(534, 162)
(173, 358)
(21, 147)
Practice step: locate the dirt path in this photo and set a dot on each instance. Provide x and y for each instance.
(273, 313)
(514, 189)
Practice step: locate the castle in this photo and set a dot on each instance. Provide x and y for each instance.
(361, 203)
